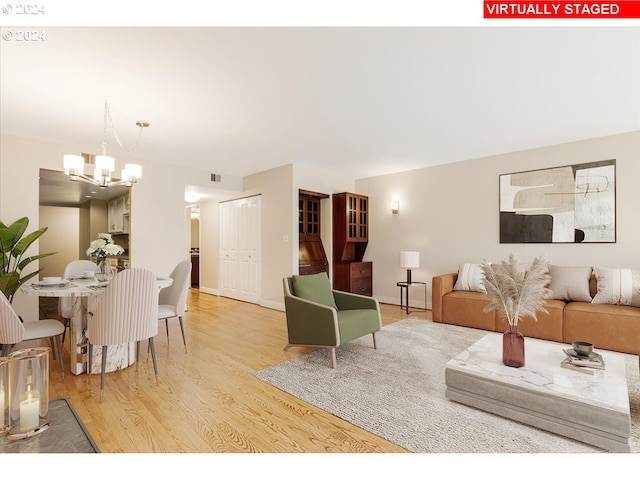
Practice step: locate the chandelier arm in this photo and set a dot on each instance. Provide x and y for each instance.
(109, 120)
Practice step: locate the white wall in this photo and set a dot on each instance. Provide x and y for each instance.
(450, 213)
(62, 237)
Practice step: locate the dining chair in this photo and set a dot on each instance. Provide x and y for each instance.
(126, 312)
(13, 330)
(172, 301)
(74, 269)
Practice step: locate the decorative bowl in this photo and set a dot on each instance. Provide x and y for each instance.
(582, 348)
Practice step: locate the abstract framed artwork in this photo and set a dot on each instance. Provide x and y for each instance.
(570, 204)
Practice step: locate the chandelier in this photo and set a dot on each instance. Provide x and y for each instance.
(105, 165)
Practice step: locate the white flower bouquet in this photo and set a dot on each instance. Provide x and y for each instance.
(103, 246)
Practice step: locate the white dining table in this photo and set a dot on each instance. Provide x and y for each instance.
(84, 293)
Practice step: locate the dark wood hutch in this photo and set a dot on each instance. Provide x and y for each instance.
(350, 240)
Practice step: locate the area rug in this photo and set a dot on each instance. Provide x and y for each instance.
(397, 392)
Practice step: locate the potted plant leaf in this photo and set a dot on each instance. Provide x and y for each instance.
(13, 245)
(515, 292)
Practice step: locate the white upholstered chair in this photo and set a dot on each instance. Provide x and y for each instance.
(127, 312)
(173, 299)
(74, 269)
(13, 330)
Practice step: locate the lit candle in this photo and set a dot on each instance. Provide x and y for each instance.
(29, 412)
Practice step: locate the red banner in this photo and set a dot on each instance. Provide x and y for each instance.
(518, 9)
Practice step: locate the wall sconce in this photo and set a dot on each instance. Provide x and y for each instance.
(29, 392)
(409, 260)
(395, 207)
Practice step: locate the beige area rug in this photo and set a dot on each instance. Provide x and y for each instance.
(397, 392)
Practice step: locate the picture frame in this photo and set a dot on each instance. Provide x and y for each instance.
(567, 204)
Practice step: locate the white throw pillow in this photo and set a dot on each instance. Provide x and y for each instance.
(570, 284)
(470, 278)
(617, 286)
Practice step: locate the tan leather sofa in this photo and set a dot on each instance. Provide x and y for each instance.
(608, 327)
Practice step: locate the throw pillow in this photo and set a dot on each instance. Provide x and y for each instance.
(617, 286)
(570, 284)
(315, 288)
(470, 278)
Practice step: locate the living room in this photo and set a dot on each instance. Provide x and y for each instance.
(448, 212)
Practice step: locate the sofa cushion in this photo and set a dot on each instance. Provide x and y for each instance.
(470, 278)
(467, 309)
(608, 327)
(315, 288)
(570, 284)
(617, 286)
(548, 326)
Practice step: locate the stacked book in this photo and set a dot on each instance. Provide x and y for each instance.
(582, 363)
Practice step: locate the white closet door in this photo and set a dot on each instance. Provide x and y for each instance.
(240, 252)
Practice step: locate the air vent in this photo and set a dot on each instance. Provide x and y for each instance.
(216, 178)
(89, 158)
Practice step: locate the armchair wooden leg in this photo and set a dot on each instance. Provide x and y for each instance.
(333, 358)
(375, 344)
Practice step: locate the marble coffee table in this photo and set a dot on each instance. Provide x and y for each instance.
(592, 409)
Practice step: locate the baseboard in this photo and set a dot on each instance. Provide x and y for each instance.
(272, 304)
(210, 291)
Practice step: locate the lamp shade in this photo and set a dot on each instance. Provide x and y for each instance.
(410, 259)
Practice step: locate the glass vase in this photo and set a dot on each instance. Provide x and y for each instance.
(513, 347)
(29, 392)
(105, 271)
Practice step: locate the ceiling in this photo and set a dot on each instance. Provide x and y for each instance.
(360, 101)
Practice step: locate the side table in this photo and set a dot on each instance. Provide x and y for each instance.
(404, 288)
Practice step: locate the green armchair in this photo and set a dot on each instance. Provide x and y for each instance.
(318, 316)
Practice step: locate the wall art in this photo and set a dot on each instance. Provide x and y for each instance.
(570, 204)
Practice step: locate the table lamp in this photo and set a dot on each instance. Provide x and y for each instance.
(409, 260)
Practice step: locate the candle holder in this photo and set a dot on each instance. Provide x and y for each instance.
(4, 393)
(28, 392)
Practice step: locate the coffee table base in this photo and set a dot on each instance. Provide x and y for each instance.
(473, 380)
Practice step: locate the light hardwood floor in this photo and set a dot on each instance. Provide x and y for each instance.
(206, 400)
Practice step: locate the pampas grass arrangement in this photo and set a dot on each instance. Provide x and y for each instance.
(516, 291)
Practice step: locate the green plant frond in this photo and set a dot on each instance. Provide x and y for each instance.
(9, 283)
(11, 234)
(26, 242)
(28, 277)
(12, 246)
(28, 260)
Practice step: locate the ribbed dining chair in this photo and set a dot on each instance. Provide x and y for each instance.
(127, 312)
(173, 299)
(13, 330)
(74, 269)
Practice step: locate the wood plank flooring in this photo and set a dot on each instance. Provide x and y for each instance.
(206, 399)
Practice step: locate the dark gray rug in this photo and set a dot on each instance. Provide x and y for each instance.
(397, 392)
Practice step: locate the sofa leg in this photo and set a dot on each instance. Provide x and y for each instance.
(334, 363)
(375, 344)
(287, 347)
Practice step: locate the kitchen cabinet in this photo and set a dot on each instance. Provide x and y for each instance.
(118, 215)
